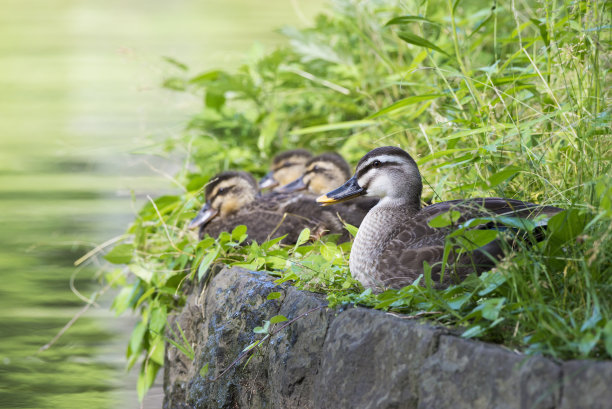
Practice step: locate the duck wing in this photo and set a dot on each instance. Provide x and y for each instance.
(415, 242)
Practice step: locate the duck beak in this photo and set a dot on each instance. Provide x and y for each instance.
(205, 214)
(347, 191)
(268, 181)
(296, 185)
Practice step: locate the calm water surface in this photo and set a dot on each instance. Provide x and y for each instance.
(79, 98)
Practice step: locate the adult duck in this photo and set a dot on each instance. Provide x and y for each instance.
(395, 238)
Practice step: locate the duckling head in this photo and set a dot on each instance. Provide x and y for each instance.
(286, 167)
(323, 173)
(388, 173)
(226, 193)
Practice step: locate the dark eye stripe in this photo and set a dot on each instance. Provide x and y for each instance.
(223, 191)
(286, 165)
(366, 169)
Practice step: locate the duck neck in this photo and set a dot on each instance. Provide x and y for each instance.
(399, 205)
(379, 226)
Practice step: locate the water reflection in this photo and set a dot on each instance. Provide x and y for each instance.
(80, 91)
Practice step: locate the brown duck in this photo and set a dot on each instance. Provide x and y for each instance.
(323, 173)
(395, 239)
(232, 199)
(286, 167)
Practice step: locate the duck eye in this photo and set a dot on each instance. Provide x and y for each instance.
(376, 164)
(222, 190)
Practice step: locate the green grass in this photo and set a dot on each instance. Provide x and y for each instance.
(506, 101)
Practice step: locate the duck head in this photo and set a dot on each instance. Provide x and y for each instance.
(388, 173)
(323, 173)
(226, 193)
(286, 167)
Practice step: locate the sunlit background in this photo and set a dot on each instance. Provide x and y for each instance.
(80, 102)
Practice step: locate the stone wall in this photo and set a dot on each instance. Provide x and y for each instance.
(356, 358)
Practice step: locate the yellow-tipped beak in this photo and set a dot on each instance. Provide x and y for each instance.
(326, 200)
(347, 191)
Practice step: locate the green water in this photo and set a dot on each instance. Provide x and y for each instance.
(79, 95)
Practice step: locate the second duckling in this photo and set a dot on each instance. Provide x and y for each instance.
(286, 167)
(323, 173)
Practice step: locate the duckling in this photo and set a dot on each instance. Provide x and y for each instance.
(286, 167)
(323, 173)
(395, 239)
(232, 199)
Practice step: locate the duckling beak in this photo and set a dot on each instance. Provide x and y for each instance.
(297, 184)
(347, 191)
(268, 181)
(205, 214)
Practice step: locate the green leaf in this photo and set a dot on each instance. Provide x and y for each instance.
(287, 277)
(607, 332)
(351, 229)
(252, 345)
(266, 245)
(278, 318)
(402, 103)
(592, 321)
(459, 301)
(145, 296)
(491, 308)
(122, 300)
(302, 238)
(262, 330)
(120, 254)
(214, 100)
(472, 332)
(269, 131)
(419, 41)
(157, 322)
(176, 63)
(274, 295)
(157, 349)
(503, 175)
(567, 225)
(491, 280)
(204, 371)
(206, 77)
(207, 261)
(587, 342)
(175, 84)
(541, 25)
(445, 219)
(472, 239)
(238, 233)
(141, 272)
(409, 19)
(136, 339)
(146, 378)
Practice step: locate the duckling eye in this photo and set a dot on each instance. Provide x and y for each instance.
(222, 190)
(316, 168)
(376, 164)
